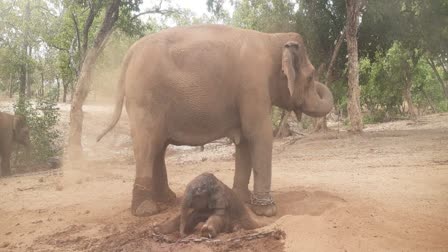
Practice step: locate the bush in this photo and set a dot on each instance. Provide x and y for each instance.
(42, 119)
(382, 81)
(276, 116)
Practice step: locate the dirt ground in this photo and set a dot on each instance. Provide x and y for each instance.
(384, 190)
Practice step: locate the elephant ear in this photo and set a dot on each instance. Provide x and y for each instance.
(290, 63)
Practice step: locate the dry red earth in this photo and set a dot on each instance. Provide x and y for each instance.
(386, 189)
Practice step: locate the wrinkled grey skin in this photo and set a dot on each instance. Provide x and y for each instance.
(13, 130)
(207, 199)
(193, 85)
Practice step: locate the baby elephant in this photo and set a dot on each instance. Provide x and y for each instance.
(13, 130)
(206, 199)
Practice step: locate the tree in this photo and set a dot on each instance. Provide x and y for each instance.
(22, 25)
(264, 15)
(354, 104)
(110, 20)
(83, 83)
(420, 29)
(321, 23)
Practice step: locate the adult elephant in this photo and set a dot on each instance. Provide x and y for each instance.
(192, 85)
(13, 130)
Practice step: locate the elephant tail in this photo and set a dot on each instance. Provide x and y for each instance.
(119, 98)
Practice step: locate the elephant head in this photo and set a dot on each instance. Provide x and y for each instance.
(20, 131)
(307, 95)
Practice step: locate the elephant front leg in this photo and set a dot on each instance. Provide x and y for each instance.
(243, 169)
(260, 140)
(162, 191)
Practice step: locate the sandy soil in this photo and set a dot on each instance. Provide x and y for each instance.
(384, 190)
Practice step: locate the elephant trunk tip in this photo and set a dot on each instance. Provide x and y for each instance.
(321, 103)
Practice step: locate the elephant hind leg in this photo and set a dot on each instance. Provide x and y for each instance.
(243, 169)
(148, 140)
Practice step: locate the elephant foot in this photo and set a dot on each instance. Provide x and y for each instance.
(143, 203)
(166, 196)
(263, 205)
(243, 193)
(146, 208)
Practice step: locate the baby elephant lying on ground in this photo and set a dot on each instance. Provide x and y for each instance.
(206, 199)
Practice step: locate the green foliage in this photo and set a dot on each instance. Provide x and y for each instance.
(306, 122)
(276, 116)
(320, 23)
(264, 15)
(339, 90)
(383, 81)
(42, 119)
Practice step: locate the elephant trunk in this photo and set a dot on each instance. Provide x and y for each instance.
(320, 101)
(298, 114)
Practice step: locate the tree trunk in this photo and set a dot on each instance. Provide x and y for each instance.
(64, 91)
(42, 88)
(22, 88)
(11, 86)
(329, 75)
(439, 78)
(354, 91)
(407, 93)
(72, 90)
(28, 80)
(408, 98)
(283, 126)
(24, 65)
(76, 114)
(59, 89)
(83, 84)
(433, 108)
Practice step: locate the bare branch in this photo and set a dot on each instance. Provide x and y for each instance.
(155, 10)
(110, 19)
(439, 78)
(71, 52)
(76, 40)
(56, 46)
(78, 36)
(3, 12)
(328, 75)
(87, 25)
